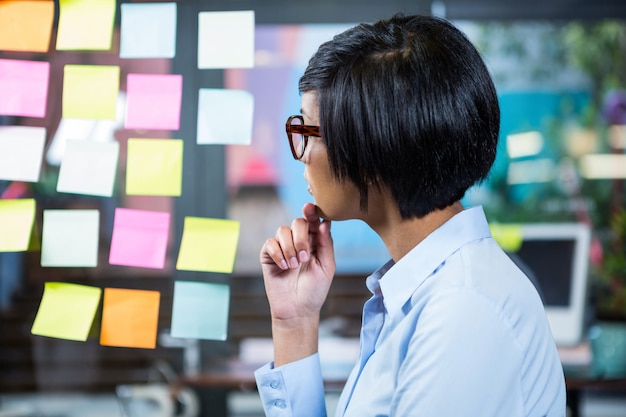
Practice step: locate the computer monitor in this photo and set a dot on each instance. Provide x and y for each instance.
(555, 256)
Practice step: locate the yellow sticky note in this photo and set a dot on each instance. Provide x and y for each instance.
(90, 91)
(85, 25)
(66, 311)
(154, 167)
(208, 245)
(508, 236)
(130, 318)
(26, 25)
(16, 224)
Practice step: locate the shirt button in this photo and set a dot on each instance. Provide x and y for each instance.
(274, 384)
(280, 404)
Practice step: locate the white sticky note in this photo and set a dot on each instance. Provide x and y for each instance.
(224, 116)
(148, 30)
(88, 168)
(70, 238)
(21, 152)
(226, 39)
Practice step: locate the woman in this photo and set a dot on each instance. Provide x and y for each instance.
(399, 119)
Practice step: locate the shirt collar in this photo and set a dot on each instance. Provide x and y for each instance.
(398, 281)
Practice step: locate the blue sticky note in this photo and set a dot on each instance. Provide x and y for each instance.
(148, 30)
(224, 117)
(200, 310)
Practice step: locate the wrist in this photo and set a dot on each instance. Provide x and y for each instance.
(294, 339)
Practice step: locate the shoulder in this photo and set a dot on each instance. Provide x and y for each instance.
(479, 286)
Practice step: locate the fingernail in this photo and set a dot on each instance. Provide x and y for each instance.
(293, 262)
(303, 256)
(283, 264)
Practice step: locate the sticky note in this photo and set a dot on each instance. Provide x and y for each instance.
(224, 117)
(200, 310)
(83, 129)
(66, 311)
(21, 152)
(88, 168)
(508, 236)
(226, 39)
(17, 217)
(153, 101)
(130, 318)
(70, 238)
(139, 238)
(26, 25)
(208, 245)
(85, 25)
(154, 167)
(90, 91)
(148, 30)
(24, 86)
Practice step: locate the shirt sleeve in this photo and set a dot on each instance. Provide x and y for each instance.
(292, 390)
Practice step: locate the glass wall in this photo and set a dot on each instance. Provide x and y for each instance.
(562, 89)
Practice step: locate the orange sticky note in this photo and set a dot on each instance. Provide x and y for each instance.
(26, 25)
(130, 318)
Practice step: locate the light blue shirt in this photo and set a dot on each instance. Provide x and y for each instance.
(464, 334)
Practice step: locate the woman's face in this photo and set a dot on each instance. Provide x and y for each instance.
(336, 200)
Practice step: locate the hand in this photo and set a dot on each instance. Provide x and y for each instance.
(298, 267)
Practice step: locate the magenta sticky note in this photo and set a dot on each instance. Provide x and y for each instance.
(139, 238)
(23, 87)
(153, 101)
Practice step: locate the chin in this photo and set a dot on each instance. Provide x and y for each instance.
(322, 214)
(331, 216)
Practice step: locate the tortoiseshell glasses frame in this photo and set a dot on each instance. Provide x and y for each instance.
(298, 135)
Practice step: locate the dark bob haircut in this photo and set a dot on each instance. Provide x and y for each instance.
(407, 104)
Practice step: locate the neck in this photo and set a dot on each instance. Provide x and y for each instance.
(402, 235)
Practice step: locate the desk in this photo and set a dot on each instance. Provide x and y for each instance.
(234, 375)
(579, 379)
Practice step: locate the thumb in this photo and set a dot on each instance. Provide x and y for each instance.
(325, 246)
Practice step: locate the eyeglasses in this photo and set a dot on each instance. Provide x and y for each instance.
(298, 135)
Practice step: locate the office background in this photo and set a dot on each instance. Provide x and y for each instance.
(238, 181)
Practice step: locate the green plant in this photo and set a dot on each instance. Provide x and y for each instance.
(609, 284)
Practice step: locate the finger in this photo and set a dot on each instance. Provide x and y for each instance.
(271, 253)
(300, 229)
(325, 246)
(285, 238)
(309, 212)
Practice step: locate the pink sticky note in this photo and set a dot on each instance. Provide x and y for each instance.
(153, 101)
(139, 238)
(24, 87)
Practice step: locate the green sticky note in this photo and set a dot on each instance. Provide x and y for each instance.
(200, 310)
(66, 311)
(17, 218)
(90, 91)
(85, 25)
(208, 245)
(154, 167)
(508, 236)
